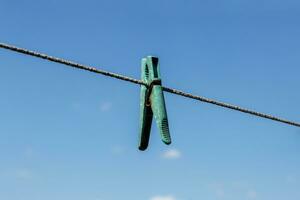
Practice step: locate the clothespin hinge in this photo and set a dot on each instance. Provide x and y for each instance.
(149, 90)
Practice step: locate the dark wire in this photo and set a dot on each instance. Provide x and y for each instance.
(136, 81)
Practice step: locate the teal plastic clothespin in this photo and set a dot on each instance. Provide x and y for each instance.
(152, 102)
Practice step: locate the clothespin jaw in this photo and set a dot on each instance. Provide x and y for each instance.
(152, 102)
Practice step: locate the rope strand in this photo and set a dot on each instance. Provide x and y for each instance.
(140, 82)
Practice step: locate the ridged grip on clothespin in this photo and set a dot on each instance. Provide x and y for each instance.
(157, 100)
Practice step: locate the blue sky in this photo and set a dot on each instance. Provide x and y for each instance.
(69, 134)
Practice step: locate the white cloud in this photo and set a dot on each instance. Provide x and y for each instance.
(172, 154)
(105, 106)
(168, 197)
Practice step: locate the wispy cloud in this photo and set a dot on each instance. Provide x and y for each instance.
(117, 150)
(172, 154)
(238, 185)
(218, 189)
(290, 179)
(75, 106)
(29, 152)
(105, 106)
(237, 189)
(159, 197)
(220, 193)
(251, 194)
(24, 174)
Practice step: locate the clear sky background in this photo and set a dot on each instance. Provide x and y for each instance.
(70, 134)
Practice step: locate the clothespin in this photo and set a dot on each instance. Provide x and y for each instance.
(152, 102)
